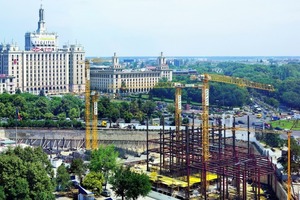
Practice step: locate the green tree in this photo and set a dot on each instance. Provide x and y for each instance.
(74, 113)
(171, 108)
(140, 116)
(134, 107)
(48, 115)
(42, 104)
(185, 121)
(113, 113)
(2, 109)
(18, 91)
(61, 116)
(148, 108)
(93, 181)
(295, 157)
(21, 189)
(24, 174)
(35, 113)
(42, 93)
(62, 177)
(127, 117)
(2, 194)
(19, 102)
(130, 185)
(77, 167)
(104, 159)
(273, 140)
(124, 107)
(10, 111)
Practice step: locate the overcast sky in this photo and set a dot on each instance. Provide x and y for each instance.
(176, 27)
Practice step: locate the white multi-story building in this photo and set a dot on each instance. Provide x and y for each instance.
(7, 84)
(43, 65)
(112, 79)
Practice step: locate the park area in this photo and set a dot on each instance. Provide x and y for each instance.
(286, 124)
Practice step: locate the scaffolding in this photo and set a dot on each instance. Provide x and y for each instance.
(182, 158)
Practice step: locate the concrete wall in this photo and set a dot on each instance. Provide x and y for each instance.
(132, 140)
(103, 134)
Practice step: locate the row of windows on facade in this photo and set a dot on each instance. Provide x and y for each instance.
(49, 83)
(45, 58)
(27, 74)
(42, 70)
(37, 67)
(128, 86)
(50, 78)
(53, 80)
(46, 88)
(48, 56)
(48, 68)
(126, 76)
(51, 74)
(127, 80)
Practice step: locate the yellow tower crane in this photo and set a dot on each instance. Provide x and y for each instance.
(87, 106)
(95, 97)
(88, 99)
(205, 78)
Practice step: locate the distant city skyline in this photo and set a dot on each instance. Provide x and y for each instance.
(176, 27)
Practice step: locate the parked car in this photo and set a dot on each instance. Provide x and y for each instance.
(106, 193)
(278, 128)
(138, 155)
(151, 159)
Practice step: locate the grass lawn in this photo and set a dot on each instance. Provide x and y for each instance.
(285, 124)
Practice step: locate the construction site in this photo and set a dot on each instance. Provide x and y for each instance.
(201, 161)
(230, 171)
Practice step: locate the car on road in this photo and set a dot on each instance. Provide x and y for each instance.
(106, 193)
(138, 154)
(151, 159)
(241, 122)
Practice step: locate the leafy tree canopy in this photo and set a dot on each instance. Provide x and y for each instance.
(25, 174)
(93, 181)
(104, 159)
(130, 185)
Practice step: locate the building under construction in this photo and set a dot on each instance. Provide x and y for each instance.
(181, 158)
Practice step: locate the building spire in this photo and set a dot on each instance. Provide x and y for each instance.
(41, 23)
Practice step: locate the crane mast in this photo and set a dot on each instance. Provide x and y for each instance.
(205, 78)
(177, 110)
(95, 97)
(87, 106)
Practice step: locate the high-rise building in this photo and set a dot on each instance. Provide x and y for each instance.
(115, 77)
(7, 84)
(43, 65)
